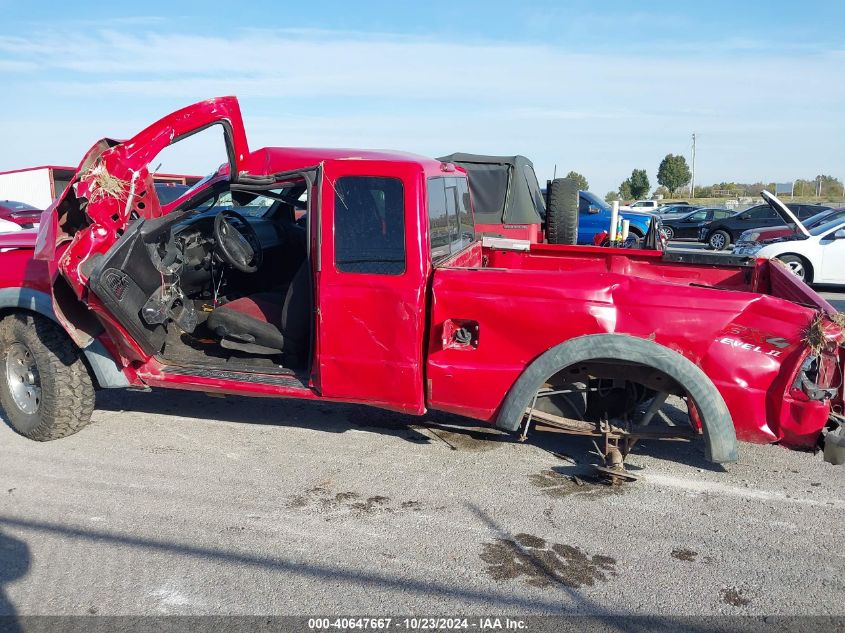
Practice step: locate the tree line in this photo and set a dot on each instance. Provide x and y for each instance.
(674, 175)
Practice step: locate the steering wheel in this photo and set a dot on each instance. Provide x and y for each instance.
(236, 242)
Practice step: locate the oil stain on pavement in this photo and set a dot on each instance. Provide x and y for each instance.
(559, 486)
(545, 564)
(734, 597)
(323, 499)
(463, 440)
(684, 554)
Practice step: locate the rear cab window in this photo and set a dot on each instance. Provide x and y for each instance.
(450, 222)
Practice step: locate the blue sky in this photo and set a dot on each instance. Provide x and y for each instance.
(601, 88)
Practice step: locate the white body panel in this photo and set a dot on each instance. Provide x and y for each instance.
(825, 254)
(32, 186)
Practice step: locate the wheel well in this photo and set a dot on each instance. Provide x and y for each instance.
(619, 353)
(105, 371)
(613, 369)
(807, 263)
(9, 311)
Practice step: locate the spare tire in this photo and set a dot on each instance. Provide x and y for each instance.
(562, 214)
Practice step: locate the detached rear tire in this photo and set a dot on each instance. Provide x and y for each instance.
(45, 388)
(562, 214)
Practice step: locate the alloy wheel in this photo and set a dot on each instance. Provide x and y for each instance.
(717, 241)
(797, 268)
(22, 378)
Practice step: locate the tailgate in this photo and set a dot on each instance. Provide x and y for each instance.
(784, 285)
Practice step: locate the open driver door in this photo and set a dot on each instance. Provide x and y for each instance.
(112, 187)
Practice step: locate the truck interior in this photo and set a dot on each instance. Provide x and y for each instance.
(223, 280)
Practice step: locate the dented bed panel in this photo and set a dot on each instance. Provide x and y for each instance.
(750, 345)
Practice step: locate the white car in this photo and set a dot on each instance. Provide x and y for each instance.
(816, 255)
(7, 226)
(641, 205)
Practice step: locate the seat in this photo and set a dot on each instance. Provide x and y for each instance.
(267, 322)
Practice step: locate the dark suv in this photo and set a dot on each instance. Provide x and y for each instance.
(719, 234)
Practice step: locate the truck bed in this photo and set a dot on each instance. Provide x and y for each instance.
(699, 269)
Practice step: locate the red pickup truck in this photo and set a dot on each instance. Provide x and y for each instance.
(381, 294)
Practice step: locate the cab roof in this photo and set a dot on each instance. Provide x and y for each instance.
(270, 160)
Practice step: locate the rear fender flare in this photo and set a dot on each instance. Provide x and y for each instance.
(719, 432)
(102, 364)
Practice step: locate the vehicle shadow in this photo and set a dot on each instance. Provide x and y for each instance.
(14, 564)
(454, 431)
(434, 427)
(329, 573)
(579, 450)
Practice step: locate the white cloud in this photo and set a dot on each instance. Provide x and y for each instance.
(16, 66)
(599, 113)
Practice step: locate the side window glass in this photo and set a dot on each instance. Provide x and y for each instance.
(438, 220)
(466, 223)
(763, 213)
(583, 205)
(369, 225)
(450, 221)
(451, 209)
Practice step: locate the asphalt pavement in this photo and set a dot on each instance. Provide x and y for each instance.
(179, 503)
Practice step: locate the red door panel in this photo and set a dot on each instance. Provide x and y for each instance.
(371, 313)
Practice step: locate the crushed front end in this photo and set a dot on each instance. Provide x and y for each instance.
(815, 396)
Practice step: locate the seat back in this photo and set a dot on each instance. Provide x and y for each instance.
(296, 309)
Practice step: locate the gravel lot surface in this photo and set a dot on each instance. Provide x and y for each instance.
(179, 503)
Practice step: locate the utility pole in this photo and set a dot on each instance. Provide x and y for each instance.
(692, 182)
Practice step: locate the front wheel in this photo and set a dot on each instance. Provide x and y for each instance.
(45, 388)
(719, 240)
(669, 233)
(798, 267)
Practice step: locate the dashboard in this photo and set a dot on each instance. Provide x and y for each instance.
(194, 242)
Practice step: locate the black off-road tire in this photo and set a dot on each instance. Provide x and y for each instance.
(67, 392)
(562, 214)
